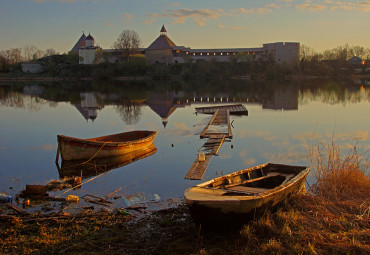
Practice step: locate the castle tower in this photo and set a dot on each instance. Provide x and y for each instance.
(163, 30)
(160, 51)
(89, 41)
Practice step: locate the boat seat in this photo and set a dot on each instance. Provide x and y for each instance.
(247, 189)
(287, 178)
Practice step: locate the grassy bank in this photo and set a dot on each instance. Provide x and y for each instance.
(333, 218)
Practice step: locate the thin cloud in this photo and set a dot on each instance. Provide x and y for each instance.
(268, 8)
(127, 17)
(352, 6)
(62, 1)
(148, 21)
(363, 6)
(180, 129)
(230, 27)
(249, 161)
(311, 7)
(199, 16)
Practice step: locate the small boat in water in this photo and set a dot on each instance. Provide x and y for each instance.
(71, 148)
(243, 195)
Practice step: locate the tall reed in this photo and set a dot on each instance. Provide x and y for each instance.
(339, 176)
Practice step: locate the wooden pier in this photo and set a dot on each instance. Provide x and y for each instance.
(235, 109)
(217, 129)
(210, 148)
(218, 125)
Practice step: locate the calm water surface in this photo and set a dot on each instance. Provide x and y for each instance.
(284, 120)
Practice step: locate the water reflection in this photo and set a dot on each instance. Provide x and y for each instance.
(89, 105)
(166, 98)
(85, 169)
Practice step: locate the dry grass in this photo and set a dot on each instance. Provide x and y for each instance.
(340, 177)
(333, 219)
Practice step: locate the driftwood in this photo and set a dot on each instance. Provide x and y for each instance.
(47, 198)
(111, 194)
(95, 201)
(100, 199)
(16, 208)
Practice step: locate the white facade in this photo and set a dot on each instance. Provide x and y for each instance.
(281, 52)
(30, 67)
(87, 55)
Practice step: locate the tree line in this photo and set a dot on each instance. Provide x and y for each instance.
(27, 53)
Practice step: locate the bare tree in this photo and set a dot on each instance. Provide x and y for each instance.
(98, 56)
(129, 113)
(15, 56)
(29, 51)
(50, 52)
(128, 42)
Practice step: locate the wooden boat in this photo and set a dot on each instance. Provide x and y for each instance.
(243, 195)
(72, 148)
(70, 168)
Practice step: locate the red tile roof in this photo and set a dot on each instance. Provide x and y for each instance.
(162, 42)
(80, 43)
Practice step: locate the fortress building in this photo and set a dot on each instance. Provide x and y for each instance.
(164, 50)
(87, 53)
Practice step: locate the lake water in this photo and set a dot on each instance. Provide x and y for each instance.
(284, 120)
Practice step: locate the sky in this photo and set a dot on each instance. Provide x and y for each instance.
(58, 24)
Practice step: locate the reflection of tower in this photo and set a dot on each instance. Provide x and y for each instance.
(89, 106)
(162, 104)
(283, 99)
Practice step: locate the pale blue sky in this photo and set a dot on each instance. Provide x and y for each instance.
(320, 24)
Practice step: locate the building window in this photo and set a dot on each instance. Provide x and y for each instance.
(227, 53)
(177, 51)
(193, 54)
(201, 54)
(221, 53)
(207, 53)
(186, 53)
(214, 54)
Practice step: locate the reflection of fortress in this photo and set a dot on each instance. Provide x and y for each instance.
(282, 99)
(165, 103)
(89, 106)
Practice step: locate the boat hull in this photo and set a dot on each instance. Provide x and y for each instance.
(212, 206)
(71, 148)
(70, 168)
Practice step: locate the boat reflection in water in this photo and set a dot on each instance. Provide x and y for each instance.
(95, 166)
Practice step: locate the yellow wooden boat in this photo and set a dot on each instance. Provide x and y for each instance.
(243, 195)
(71, 148)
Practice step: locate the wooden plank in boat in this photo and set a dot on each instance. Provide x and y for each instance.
(248, 189)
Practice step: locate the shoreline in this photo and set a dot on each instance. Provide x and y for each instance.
(306, 224)
(294, 77)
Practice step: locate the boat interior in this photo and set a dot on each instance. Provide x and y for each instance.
(127, 136)
(254, 181)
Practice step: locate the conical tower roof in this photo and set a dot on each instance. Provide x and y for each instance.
(89, 37)
(80, 43)
(163, 30)
(162, 42)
